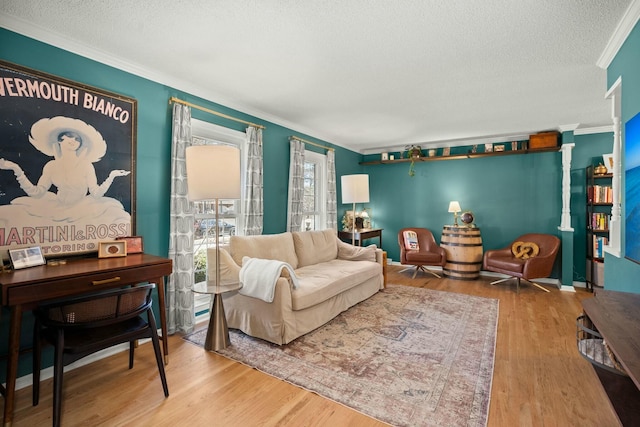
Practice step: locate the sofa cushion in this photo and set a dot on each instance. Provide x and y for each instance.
(313, 247)
(266, 246)
(319, 282)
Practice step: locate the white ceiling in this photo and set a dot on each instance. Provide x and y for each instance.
(369, 75)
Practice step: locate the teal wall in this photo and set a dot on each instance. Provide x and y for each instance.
(154, 146)
(620, 273)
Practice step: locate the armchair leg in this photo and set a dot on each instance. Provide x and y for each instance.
(495, 282)
(426, 270)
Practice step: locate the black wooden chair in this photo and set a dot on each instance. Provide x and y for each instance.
(81, 326)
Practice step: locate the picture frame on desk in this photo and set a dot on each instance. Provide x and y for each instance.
(134, 244)
(26, 257)
(116, 248)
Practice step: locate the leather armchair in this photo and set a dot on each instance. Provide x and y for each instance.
(505, 262)
(428, 252)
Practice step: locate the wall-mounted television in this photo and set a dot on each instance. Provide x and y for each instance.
(632, 189)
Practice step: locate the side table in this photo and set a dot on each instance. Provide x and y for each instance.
(361, 234)
(463, 246)
(217, 331)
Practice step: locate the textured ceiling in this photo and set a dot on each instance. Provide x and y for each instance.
(366, 75)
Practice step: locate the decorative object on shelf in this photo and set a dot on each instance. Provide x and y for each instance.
(112, 249)
(446, 151)
(384, 156)
(355, 189)
(499, 147)
(543, 140)
(488, 148)
(413, 152)
(432, 152)
(608, 162)
(600, 169)
(474, 148)
(467, 218)
(392, 157)
(454, 207)
(514, 145)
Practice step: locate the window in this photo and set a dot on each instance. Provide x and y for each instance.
(314, 205)
(230, 216)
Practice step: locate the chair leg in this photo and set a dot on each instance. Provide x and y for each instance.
(132, 346)
(156, 348)
(58, 371)
(538, 286)
(37, 363)
(426, 270)
(415, 272)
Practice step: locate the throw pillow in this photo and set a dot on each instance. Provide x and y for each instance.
(356, 253)
(410, 240)
(524, 250)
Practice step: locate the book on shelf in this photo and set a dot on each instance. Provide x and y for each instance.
(599, 221)
(599, 242)
(599, 194)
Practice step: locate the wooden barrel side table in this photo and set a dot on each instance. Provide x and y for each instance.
(463, 246)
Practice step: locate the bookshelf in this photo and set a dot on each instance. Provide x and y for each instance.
(599, 203)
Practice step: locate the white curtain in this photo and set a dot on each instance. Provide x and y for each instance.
(332, 201)
(254, 204)
(296, 186)
(180, 313)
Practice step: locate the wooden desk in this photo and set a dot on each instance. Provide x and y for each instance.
(360, 235)
(24, 289)
(616, 315)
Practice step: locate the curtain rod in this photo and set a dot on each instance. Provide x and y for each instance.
(311, 142)
(179, 101)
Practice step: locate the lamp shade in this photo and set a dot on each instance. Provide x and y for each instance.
(454, 206)
(355, 188)
(213, 172)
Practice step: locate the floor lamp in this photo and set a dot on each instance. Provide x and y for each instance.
(355, 189)
(213, 173)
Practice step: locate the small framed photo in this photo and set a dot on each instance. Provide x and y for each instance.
(112, 249)
(446, 151)
(384, 156)
(498, 147)
(26, 257)
(488, 148)
(134, 244)
(608, 162)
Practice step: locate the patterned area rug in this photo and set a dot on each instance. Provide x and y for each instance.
(406, 356)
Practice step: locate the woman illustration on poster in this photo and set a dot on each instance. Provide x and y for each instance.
(74, 146)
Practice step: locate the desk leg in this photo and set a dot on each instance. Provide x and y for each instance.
(12, 363)
(163, 319)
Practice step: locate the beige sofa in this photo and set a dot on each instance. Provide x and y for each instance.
(331, 276)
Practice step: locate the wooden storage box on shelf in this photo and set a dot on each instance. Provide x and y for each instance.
(543, 140)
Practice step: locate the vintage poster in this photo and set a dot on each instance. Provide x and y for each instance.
(67, 168)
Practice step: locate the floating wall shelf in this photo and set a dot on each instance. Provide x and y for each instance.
(460, 156)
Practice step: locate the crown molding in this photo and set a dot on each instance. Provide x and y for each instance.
(598, 129)
(620, 34)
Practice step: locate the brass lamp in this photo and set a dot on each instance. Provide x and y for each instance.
(213, 173)
(454, 207)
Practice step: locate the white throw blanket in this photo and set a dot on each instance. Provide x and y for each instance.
(259, 277)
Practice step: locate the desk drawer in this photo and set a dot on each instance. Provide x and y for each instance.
(91, 282)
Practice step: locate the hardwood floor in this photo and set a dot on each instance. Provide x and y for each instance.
(539, 377)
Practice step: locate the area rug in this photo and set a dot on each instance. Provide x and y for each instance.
(406, 356)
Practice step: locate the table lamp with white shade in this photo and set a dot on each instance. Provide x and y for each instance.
(355, 189)
(213, 173)
(454, 207)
